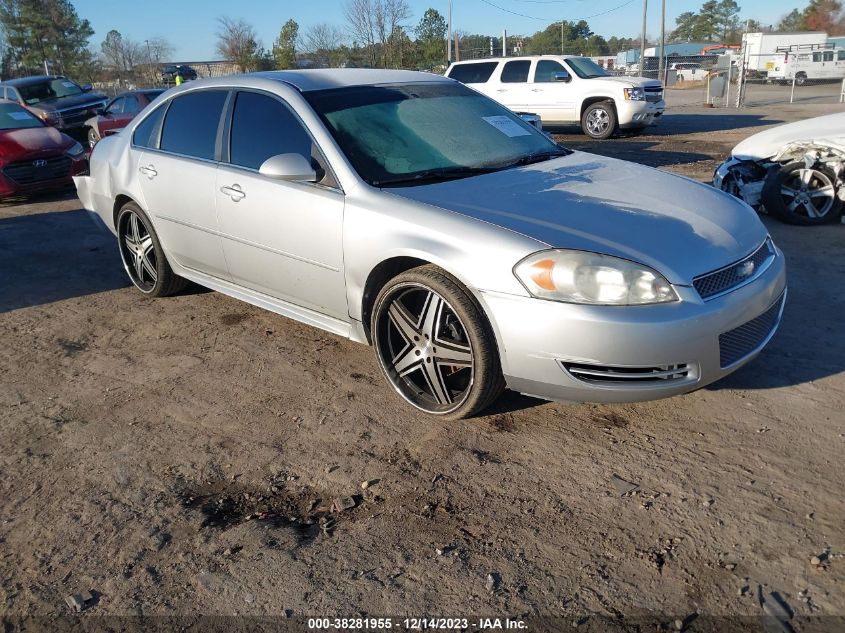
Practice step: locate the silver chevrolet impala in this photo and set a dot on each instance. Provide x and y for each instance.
(406, 211)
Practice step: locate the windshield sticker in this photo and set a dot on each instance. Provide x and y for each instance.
(68, 84)
(506, 126)
(20, 116)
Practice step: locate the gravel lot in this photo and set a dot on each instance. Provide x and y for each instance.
(181, 456)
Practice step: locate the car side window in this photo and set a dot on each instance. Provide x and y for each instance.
(546, 69)
(840, 55)
(116, 106)
(516, 71)
(146, 133)
(262, 127)
(131, 105)
(477, 73)
(828, 56)
(191, 123)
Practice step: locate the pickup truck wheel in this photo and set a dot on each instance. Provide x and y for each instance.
(93, 137)
(798, 195)
(599, 120)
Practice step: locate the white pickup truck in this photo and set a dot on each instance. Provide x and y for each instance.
(565, 89)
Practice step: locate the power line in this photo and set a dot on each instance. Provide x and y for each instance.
(534, 17)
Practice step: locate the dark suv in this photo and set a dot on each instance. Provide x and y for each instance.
(168, 73)
(54, 99)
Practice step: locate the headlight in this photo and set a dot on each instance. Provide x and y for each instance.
(634, 94)
(75, 151)
(50, 118)
(582, 277)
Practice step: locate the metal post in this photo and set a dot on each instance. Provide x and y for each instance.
(842, 92)
(449, 38)
(642, 40)
(561, 38)
(792, 93)
(505, 43)
(728, 89)
(662, 64)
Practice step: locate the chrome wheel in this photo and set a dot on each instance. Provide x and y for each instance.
(138, 251)
(424, 348)
(93, 137)
(808, 192)
(598, 122)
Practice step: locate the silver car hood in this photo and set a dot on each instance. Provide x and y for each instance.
(828, 130)
(679, 227)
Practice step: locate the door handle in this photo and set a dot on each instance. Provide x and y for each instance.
(148, 170)
(234, 192)
(536, 90)
(501, 90)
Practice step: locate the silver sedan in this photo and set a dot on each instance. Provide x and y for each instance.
(406, 211)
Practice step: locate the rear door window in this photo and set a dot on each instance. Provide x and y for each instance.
(516, 71)
(472, 73)
(146, 134)
(190, 127)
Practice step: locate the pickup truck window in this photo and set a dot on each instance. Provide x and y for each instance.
(516, 72)
(472, 73)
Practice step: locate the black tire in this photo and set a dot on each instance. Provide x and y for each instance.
(143, 259)
(93, 137)
(793, 209)
(459, 326)
(800, 79)
(599, 120)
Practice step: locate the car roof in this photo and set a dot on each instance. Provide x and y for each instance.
(510, 59)
(35, 79)
(326, 78)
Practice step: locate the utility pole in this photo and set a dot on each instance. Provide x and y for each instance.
(505, 43)
(642, 40)
(662, 65)
(561, 38)
(449, 38)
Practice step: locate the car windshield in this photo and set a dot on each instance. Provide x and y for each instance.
(14, 117)
(410, 133)
(586, 68)
(48, 89)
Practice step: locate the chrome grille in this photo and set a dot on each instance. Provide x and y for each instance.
(26, 172)
(735, 275)
(611, 374)
(738, 343)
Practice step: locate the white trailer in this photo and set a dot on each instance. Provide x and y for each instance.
(761, 49)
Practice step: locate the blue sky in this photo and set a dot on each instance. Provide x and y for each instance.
(189, 25)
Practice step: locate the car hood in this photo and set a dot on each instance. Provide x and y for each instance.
(72, 101)
(828, 129)
(642, 82)
(36, 141)
(679, 227)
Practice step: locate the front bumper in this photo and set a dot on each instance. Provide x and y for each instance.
(634, 114)
(539, 339)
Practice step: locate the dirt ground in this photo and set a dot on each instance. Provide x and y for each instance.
(180, 457)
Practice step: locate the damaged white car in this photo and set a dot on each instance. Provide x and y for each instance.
(794, 172)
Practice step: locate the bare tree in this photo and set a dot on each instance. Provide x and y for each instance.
(237, 42)
(372, 22)
(323, 41)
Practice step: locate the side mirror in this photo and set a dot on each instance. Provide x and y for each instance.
(288, 167)
(87, 88)
(563, 76)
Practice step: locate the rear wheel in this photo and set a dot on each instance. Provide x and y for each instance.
(798, 194)
(142, 255)
(434, 345)
(599, 120)
(800, 78)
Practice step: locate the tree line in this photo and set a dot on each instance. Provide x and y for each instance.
(39, 35)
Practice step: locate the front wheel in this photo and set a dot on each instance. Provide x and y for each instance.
(434, 345)
(599, 120)
(93, 137)
(142, 255)
(801, 195)
(800, 79)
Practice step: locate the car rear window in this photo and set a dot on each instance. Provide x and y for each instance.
(190, 127)
(472, 73)
(516, 72)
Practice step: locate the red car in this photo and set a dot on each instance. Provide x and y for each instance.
(118, 113)
(33, 156)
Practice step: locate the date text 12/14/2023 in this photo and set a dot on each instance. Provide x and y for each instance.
(416, 624)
